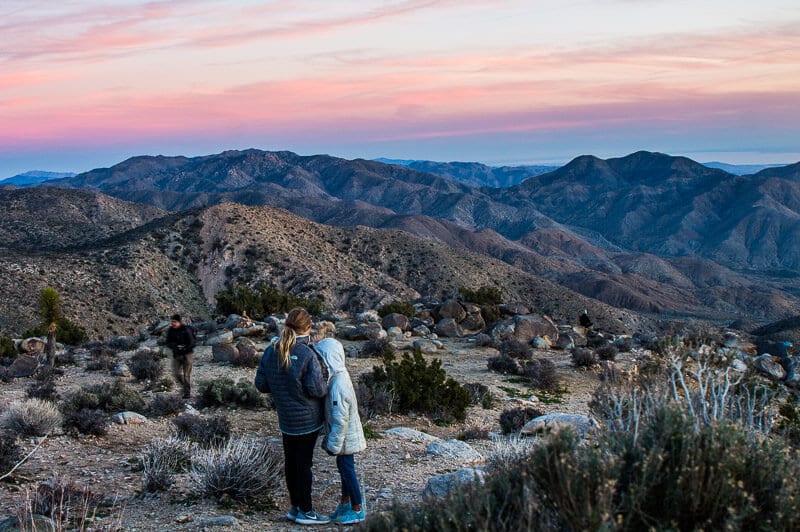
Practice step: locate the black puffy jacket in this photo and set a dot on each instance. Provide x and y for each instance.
(297, 390)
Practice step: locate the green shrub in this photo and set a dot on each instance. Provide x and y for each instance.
(417, 386)
(490, 313)
(7, 347)
(111, 397)
(67, 332)
(485, 295)
(398, 307)
(479, 394)
(226, 392)
(263, 301)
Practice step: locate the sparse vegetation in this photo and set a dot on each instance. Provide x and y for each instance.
(10, 453)
(263, 301)
(485, 295)
(503, 364)
(245, 470)
(226, 392)
(206, 432)
(541, 373)
(416, 386)
(145, 365)
(160, 460)
(515, 349)
(399, 307)
(513, 419)
(7, 348)
(583, 357)
(67, 332)
(376, 348)
(166, 404)
(32, 417)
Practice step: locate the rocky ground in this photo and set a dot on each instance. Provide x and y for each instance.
(392, 468)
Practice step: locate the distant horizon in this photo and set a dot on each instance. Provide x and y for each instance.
(523, 162)
(87, 84)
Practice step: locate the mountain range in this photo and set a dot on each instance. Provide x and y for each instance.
(34, 177)
(643, 235)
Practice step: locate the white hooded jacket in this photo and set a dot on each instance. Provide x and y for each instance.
(345, 434)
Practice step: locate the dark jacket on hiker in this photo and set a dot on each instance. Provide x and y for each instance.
(181, 340)
(297, 390)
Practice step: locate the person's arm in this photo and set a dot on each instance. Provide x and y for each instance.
(261, 373)
(340, 420)
(314, 384)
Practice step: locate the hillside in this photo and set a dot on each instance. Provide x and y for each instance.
(180, 261)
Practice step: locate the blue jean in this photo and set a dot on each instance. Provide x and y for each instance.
(347, 470)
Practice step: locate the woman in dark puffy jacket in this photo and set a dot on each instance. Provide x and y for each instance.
(291, 372)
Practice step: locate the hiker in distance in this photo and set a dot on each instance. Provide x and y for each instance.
(290, 371)
(344, 434)
(181, 340)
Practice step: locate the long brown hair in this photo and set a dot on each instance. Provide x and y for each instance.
(298, 321)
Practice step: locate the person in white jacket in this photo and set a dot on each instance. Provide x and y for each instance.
(345, 435)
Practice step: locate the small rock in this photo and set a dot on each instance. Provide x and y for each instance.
(582, 425)
(120, 369)
(456, 449)
(129, 418)
(406, 433)
(186, 518)
(426, 346)
(224, 337)
(223, 520)
(441, 485)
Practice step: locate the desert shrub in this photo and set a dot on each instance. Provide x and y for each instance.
(43, 386)
(609, 373)
(583, 358)
(206, 432)
(160, 460)
(226, 392)
(480, 394)
(485, 295)
(263, 301)
(86, 421)
(102, 357)
(474, 432)
(398, 307)
(374, 398)
(503, 364)
(624, 344)
(541, 373)
(789, 421)
(515, 349)
(607, 352)
(421, 387)
(145, 364)
(166, 404)
(69, 505)
(118, 397)
(513, 419)
(7, 347)
(508, 450)
(10, 453)
(244, 470)
(122, 343)
(32, 417)
(376, 348)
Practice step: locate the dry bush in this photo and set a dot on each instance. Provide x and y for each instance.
(161, 459)
(583, 358)
(515, 349)
(166, 404)
(513, 419)
(32, 417)
(503, 364)
(206, 432)
(145, 365)
(541, 373)
(244, 470)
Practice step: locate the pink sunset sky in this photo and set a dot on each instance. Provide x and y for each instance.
(87, 84)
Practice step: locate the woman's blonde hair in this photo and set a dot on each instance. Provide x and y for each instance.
(297, 322)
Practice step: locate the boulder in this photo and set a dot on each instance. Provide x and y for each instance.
(235, 320)
(528, 327)
(224, 352)
(449, 328)
(395, 332)
(418, 321)
(369, 316)
(565, 342)
(473, 322)
(442, 485)
(23, 366)
(222, 337)
(32, 345)
(426, 346)
(582, 425)
(252, 331)
(503, 331)
(395, 319)
(128, 418)
(246, 348)
(541, 342)
(406, 433)
(513, 309)
(456, 449)
(420, 330)
(450, 310)
(325, 329)
(770, 366)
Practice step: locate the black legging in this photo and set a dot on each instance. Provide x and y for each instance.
(298, 454)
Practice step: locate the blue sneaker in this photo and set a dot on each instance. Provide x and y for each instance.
(342, 508)
(291, 515)
(311, 517)
(351, 517)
